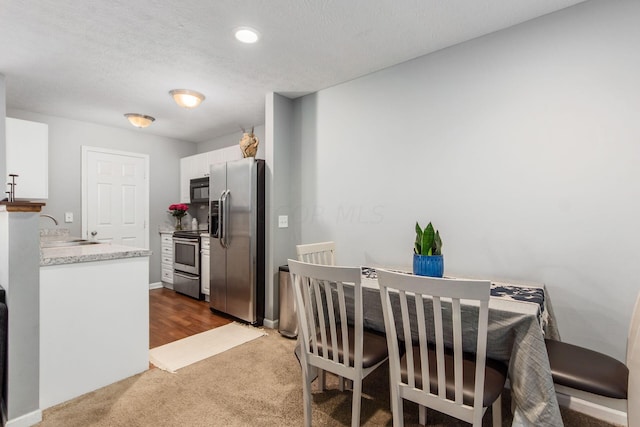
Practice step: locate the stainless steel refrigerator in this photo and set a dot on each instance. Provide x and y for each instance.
(236, 226)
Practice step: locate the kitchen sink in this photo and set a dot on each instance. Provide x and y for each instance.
(67, 243)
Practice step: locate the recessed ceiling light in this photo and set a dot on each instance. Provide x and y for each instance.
(247, 35)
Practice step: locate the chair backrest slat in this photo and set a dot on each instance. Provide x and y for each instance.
(314, 291)
(343, 319)
(422, 336)
(446, 312)
(439, 330)
(406, 331)
(332, 320)
(457, 347)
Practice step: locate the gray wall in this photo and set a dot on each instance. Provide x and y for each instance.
(234, 139)
(65, 163)
(280, 156)
(521, 147)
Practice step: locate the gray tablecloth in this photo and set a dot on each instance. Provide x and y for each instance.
(518, 324)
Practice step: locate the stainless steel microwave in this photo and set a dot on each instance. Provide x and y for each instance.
(199, 190)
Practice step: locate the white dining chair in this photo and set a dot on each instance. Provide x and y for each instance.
(439, 375)
(326, 339)
(598, 378)
(322, 253)
(317, 253)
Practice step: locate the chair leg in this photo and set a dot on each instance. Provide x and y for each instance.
(321, 380)
(357, 400)
(422, 415)
(306, 395)
(496, 412)
(396, 408)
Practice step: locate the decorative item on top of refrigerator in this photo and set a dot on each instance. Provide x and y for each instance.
(236, 223)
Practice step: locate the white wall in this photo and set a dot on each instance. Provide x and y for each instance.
(522, 147)
(3, 146)
(65, 140)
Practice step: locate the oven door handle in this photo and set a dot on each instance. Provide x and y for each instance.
(191, 276)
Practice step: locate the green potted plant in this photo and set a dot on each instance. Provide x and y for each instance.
(427, 256)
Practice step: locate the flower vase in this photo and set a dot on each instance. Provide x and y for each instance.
(178, 223)
(428, 265)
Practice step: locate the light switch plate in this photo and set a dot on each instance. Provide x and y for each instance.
(68, 217)
(283, 221)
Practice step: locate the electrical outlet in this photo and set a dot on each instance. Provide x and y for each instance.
(68, 217)
(283, 221)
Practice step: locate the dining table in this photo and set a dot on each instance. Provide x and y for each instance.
(520, 318)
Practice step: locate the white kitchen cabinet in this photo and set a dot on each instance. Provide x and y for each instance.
(215, 156)
(198, 166)
(28, 156)
(166, 253)
(232, 153)
(185, 176)
(201, 167)
(204, 264)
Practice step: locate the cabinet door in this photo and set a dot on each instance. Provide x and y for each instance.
(204, 266)
(28, 156)
(204, 273)
(232, 153)
(201, 165)
(215, 156)
(187, 172)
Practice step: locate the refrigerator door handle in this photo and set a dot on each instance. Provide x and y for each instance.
(223, 218)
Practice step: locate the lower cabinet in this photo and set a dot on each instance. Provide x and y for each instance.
(166, 250)
(204, 264)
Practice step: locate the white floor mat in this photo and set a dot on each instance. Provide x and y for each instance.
(178, 354)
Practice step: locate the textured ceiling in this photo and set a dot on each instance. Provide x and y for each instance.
(94, 60)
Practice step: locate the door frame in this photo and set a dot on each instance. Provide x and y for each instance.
(85, 168)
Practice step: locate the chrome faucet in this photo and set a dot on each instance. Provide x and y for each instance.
(52, 218)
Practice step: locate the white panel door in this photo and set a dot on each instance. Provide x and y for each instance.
(116, 198)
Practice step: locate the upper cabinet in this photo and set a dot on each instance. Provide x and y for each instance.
(28, 157)
(197, 166)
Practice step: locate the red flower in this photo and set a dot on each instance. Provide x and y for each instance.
(178, 209)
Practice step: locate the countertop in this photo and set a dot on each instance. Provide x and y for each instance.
(86, 253)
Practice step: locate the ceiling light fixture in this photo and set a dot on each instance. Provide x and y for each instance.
(247, 35)
(139, 120)
(186, 98)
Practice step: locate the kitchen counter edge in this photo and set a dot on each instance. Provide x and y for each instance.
(101, 252)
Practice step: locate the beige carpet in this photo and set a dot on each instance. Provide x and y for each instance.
(178, 354)
(255, 384)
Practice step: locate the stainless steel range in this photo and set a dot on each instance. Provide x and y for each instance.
(186, 263)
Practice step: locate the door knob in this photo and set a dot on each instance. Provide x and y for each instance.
(93, 233)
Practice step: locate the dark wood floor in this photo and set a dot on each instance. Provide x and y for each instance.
(173, 316)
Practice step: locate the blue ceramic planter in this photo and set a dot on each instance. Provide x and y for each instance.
(428, 265)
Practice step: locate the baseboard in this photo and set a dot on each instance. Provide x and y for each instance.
(271, 324)
(26, 420)
(156, 285)
(604, 408)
